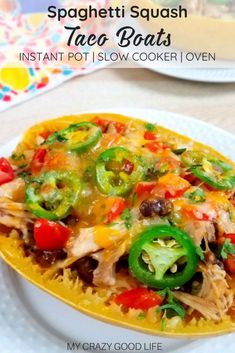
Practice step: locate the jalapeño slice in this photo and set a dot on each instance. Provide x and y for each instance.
(53, 194)
(79, 137)
(117, 171)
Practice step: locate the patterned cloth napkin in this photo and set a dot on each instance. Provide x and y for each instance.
(24, 24)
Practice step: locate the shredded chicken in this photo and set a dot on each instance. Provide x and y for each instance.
(225, 224)
(215, 296)
(84, 243)
(199, 230)
(13, 212)
(104, 274)
(13, 190)
(15, 215)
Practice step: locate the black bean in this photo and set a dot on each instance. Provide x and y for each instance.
(122, 263)
(146, 209)
(85, 268)
(162, 207)
(71, 220)
(158, 206)
(47, 258)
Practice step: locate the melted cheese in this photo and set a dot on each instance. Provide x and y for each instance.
(106, 236)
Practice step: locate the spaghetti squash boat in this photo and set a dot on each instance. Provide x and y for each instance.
(125, 221)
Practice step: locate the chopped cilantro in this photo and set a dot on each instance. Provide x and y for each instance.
(166, 293)
(56, 136)
(163, 325)
(112, 224)
(134, 198)
(61, 138)
(23, 166)
(179, 151)
(24, 175)
(200, 253)
(141, 316)
(172, 307)
(127, 218)
(89, 173)
(150, 127)
(227, 248)
(17, 157)
(102, 218)
(196, 196)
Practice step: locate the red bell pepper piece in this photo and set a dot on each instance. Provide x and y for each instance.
(6, 171)
(231, 237)
(128, 166)
(145, 187)
(45, 134)
(148, 135)
(38, 160)
(50, 235)
(120, 127)
(117, 208)
(156, 146)
(104, 125)
(139, 298)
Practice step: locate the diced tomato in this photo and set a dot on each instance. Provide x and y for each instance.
(50, 235)
(148, 135)
(230, 264)
(128, 166)
(139, 298)
(104, 125)
(156, 146)
(231, 237)
(120, 127)
(117, 208)
(6, 171)
(202, 212)
(38, 160)
(172, 186)
(45, 134)
(145, 187)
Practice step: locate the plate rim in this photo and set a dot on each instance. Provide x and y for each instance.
(177, 74)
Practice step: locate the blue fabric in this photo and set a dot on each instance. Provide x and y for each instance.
(31, 6)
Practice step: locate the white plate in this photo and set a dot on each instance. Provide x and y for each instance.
(32, 321)
(201, 75)
(223, 72)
